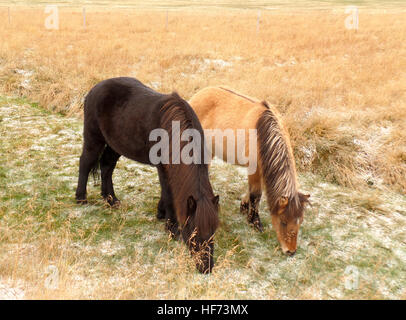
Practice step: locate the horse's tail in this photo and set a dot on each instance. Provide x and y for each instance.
(275, 157)
(95, 171)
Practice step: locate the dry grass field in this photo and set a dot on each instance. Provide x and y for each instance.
(342, 94)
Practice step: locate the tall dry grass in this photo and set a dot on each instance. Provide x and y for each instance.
(124, 253)
(342, 92)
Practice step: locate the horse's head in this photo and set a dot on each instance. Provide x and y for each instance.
(287, 216)
(198, 231)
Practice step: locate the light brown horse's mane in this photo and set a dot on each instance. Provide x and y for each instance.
(188, 179)
(277, 163)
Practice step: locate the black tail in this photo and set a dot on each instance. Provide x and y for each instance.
(95, 171)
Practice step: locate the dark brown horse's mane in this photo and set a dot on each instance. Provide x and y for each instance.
(277, 163)
(188, 179)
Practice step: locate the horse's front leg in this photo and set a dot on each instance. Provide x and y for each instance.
(253, 215)
(166, 212)
(250, 202)
(161, 213)
(165, 194)
(166, 209)
(172, 224)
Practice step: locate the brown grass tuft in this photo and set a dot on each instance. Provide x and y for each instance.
(341, 91)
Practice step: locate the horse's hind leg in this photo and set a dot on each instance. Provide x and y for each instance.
(108, 162)
(250, 202)
(88, 160)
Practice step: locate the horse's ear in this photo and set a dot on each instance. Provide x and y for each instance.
(191, 204)
(216, 200)
(265, 104)
(282, 203)
(175, 95)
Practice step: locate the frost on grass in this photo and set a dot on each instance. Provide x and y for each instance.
(8, 292)
(126, 253)
(26, 78)
(207, 64)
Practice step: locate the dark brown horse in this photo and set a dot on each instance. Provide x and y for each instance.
(119, 115)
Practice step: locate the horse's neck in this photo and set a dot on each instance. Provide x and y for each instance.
(180, 192)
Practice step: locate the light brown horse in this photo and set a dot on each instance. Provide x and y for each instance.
(224, 109)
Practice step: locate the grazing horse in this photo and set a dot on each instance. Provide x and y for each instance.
(119, 115)
(221, 109)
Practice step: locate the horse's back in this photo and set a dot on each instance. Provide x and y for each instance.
(115, 92)
(124, 111)
(222, 108)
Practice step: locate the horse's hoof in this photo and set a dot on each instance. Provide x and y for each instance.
(258, 226)
(244, 207)
(112, 202)
(173, 229)
(174, 236)
(116, 204)
(81, 201)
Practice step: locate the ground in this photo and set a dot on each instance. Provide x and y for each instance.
(352, 244)
(341, 94)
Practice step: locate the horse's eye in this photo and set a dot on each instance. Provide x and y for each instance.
(284, 223)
